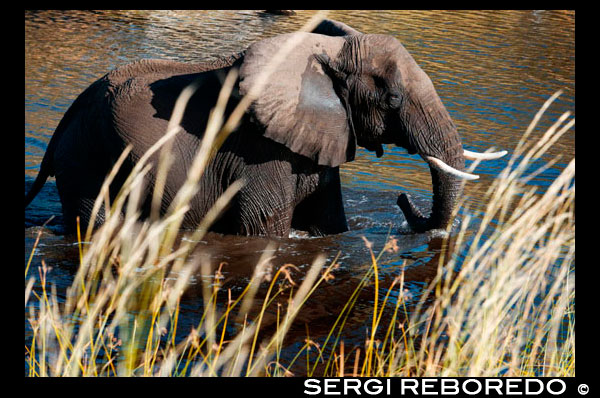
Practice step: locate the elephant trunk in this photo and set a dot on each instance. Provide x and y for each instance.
(446, 191)
(446, 180)
(446, 176)
(433, 135)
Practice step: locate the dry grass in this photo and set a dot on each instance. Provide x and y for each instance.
(502, 303)
(507, 307)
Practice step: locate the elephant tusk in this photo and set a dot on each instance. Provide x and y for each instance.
(483, 156)
(450, 170)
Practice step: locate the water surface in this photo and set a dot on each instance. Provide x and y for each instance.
(492, 69)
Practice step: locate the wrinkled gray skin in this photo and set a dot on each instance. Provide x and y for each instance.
(338, 89)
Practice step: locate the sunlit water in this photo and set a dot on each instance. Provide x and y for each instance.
(493, 71)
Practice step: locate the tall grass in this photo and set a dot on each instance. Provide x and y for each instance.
(503, 300)
(501, 304)
(506, 307)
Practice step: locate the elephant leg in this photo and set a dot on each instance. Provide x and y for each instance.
(251, 216)
(322, 212)
(263, 213)
(77, 201)
(79, 184)
(262, 207)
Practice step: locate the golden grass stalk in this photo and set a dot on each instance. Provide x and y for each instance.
(502, 303)
(498, 306)
(500, 309)
(132, 274)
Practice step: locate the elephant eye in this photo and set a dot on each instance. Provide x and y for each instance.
(394, 99)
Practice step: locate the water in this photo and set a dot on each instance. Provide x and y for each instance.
(492, 69)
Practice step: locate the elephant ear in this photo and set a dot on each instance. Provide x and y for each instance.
(298, 107)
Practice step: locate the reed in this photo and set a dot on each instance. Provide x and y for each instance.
(503, 300)
(502, 303)
(507, 307)
(125, 295)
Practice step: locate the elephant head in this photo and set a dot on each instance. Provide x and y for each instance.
(340, 88)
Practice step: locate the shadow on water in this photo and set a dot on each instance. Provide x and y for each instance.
(327, 306)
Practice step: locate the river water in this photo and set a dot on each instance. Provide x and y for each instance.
(492, 69)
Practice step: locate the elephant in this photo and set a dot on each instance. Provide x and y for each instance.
(338, 89)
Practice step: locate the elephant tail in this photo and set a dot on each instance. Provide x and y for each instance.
(82, 102)
(47, 165)
(46, 170)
